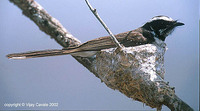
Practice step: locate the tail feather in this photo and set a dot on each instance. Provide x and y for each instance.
(43, 53)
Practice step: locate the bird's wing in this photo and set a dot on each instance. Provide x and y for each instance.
(130, 38)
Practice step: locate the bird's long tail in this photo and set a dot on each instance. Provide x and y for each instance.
(43, 53)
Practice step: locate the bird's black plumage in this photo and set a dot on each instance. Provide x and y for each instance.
(161, 26)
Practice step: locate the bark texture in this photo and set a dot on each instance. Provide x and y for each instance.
(137, 72)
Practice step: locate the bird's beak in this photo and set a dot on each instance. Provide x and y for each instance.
(179, 24)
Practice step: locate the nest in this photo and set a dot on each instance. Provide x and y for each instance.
(137, 72)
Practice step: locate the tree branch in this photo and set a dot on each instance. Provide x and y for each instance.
(113, 38)
(51, 27)
(135, 71)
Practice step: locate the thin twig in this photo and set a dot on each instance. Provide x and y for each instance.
(94, 11)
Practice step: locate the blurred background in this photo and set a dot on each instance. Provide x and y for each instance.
(63, 80)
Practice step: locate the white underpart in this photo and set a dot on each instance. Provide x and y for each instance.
(162, 18)
(158, 42)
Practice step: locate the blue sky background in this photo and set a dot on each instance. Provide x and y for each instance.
(63, 80)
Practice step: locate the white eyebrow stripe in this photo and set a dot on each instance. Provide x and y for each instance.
(162, 18)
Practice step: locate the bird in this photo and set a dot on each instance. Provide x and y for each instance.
(154, 31)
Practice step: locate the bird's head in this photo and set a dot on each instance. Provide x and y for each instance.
(161, 26)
